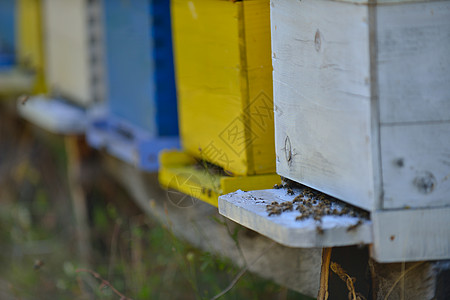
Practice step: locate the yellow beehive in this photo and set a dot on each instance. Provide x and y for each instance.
(224, 82)
(29, 37)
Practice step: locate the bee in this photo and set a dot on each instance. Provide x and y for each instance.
(301, 217)
(274, 203)
(274, 211)
(319, 229)
(287, 206)
(38, 264)
(290, 191)
(299, 198)
(278, 186)
(23, 99)
(354, 226)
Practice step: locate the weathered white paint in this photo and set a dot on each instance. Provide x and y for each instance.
(414, 62)
(341, 72)
(416, 165)
(322, 97)
(249, 210)
(362, 110)
(411, 235)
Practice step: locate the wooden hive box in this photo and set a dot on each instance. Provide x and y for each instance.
(362, 112)
(30, 46)
(73, 44)
(224, 83)
(141, 107)
(21, 48)
(7, 33)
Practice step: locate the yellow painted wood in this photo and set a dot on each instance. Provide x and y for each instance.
(29, 38)
(224, 81)
(179, 171)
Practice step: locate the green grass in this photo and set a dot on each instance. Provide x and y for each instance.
(136, 255)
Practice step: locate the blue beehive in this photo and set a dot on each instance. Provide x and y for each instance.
(7, 33)
(140, 118)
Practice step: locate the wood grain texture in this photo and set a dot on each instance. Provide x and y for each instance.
(222, 63)
(416, 165)
(259, 87)
(249, 210)
(414, 62)
(322, 97)
(411, 235)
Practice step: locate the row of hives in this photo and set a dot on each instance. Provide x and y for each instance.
(350, 98)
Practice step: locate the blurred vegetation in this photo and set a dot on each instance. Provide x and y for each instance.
(136, 255)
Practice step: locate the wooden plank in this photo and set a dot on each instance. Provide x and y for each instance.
(184, 175)
(68, 49)
(14, 82)
(8, 46)
(259, 87)
(416, 165)
(225, 84)
(411, 235)
(322, 97)
(53, 115)
(131, 90)
(249, 210)
(297, 269)
(30, 43)
(413, 62)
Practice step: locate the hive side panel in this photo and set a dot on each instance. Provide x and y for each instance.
(7, 28)
(30, 40)
(164, 77)
(414, 62)
(208, 76)
(131, 90)
(96, 50)
(259, 85)
(416, 165)
(322, 97)
(67, 49)
(411, 235)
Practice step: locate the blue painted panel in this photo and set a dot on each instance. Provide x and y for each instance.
(127, 142)
(7, 32)
(141, 116)
(166, 98)
(129, 62)
(141, 81)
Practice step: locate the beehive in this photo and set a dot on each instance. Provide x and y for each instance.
(362, 99)
(73, 36)
(29, 37)
(224, 83)
(141, 108)
(7, 33)
(140, 79)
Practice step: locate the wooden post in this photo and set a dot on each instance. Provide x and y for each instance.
(78, 198)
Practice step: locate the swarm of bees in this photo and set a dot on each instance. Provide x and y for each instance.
(313, 204)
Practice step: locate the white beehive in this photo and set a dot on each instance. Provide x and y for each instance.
(362, 112)
(73, 44)
(362, 99)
